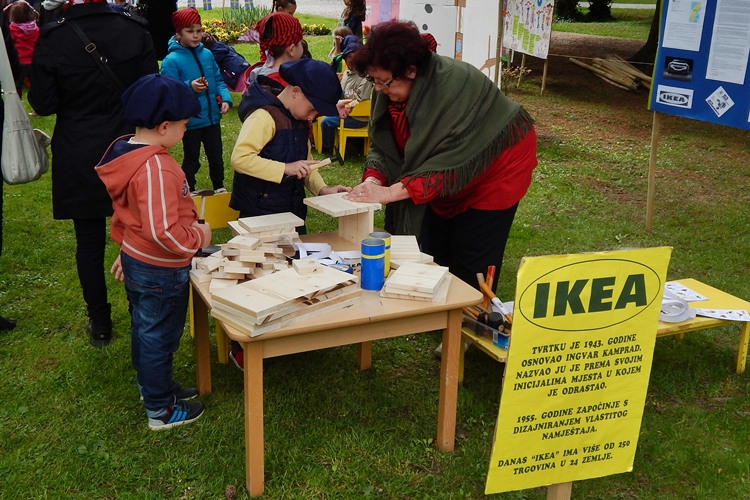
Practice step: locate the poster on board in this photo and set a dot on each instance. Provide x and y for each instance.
(528, 25)
(701, 64)
(584, 329)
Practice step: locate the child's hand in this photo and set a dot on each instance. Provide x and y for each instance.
(224, 108)
(117, 269)
(343, 108)
(199, 85)
(206, 229)
(299, 169)
(334, 189)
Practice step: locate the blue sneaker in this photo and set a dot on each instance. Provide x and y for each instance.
(183, 412)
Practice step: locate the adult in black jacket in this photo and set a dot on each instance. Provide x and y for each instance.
(67, 81)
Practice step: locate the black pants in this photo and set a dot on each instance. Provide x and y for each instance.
(91, 239)
(191, 145)
(469, 243)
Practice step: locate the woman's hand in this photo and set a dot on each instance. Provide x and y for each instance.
(117, 269)
(371, 191)
(299, 169)
(334, 190)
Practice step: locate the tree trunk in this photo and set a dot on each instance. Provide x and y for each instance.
(599, 10)
(647, 54)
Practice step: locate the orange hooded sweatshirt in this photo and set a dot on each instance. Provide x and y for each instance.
(154, 212)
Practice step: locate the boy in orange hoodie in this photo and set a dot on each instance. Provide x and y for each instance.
(156, 225)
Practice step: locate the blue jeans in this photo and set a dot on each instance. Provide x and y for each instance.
(329, 124)
(158, 298)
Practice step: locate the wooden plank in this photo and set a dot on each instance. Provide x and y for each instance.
(209, 264)
(405, 247)
(336, 206)
(243, 243)
(220, 284)
(268, 294)
(424, 259)
(263, 223)
(200, 276)
(305, 314)
(411, 276)
(236, 228)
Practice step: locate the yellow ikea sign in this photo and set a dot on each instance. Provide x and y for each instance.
(588, 295)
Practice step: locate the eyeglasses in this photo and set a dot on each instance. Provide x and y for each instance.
(385, 85)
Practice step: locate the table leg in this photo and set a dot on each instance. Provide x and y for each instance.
(254, 417)
(202, 345)
(447, 399)
(744, 338)
(364, 355)
(461, 356)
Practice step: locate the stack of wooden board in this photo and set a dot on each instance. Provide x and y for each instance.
(404, 248)
(259, 247)
(277, 300)
(416, 281)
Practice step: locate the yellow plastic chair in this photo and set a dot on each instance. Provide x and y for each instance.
(317, 134)
(217, 213)
(362, 112)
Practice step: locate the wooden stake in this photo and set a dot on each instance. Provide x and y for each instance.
(615, 78)
(652, 171)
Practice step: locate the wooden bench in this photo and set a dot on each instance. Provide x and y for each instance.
(716, 300)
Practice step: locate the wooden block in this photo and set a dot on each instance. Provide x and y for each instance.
(209, 264)
(268, 266)
(410, 276)
(252, 259)
(237, 229)
(280, 266)
(306, 266)
(270, 249)
(260, 272)
(439, 296)
(243, 243)
(286, 238)
(227, 276)
(220, 284)
(336, 206)
(424, 259)
(237, 270)
(263, 223)
(405, 247)
(200, 276)
(230, 252)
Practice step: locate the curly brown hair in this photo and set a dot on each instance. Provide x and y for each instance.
(394, 46)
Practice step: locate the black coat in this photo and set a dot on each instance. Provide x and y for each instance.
(65, 80)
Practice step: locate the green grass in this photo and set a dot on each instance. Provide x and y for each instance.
(628, 23)
(71, 425)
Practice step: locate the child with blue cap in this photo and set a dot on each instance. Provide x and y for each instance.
(271, 157)
(156, 225)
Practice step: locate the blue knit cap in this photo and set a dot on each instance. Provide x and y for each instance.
(156, 98)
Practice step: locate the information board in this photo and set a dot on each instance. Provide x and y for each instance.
(702, 61)
(584, 328)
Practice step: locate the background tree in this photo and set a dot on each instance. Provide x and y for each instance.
(647, 54)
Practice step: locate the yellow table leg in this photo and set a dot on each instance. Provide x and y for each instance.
(744, 338)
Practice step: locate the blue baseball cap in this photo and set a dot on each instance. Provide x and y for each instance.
(318, 82)
(156, 98)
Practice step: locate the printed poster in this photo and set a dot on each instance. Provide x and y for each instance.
(528, 24)
(578, 367)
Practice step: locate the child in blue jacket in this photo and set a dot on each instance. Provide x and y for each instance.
(189, 62)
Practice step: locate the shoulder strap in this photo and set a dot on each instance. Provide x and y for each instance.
(100, 60)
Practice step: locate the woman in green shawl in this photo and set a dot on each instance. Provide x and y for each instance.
(450, 155)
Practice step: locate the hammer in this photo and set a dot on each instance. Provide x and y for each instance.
(203, 193)
(336, 157)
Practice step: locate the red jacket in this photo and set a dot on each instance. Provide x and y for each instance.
(154, 212)
(24, 42)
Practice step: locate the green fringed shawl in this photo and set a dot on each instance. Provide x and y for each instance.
(459, 123)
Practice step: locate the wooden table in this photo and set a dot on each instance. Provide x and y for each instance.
(716, 300)
(373, 318)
